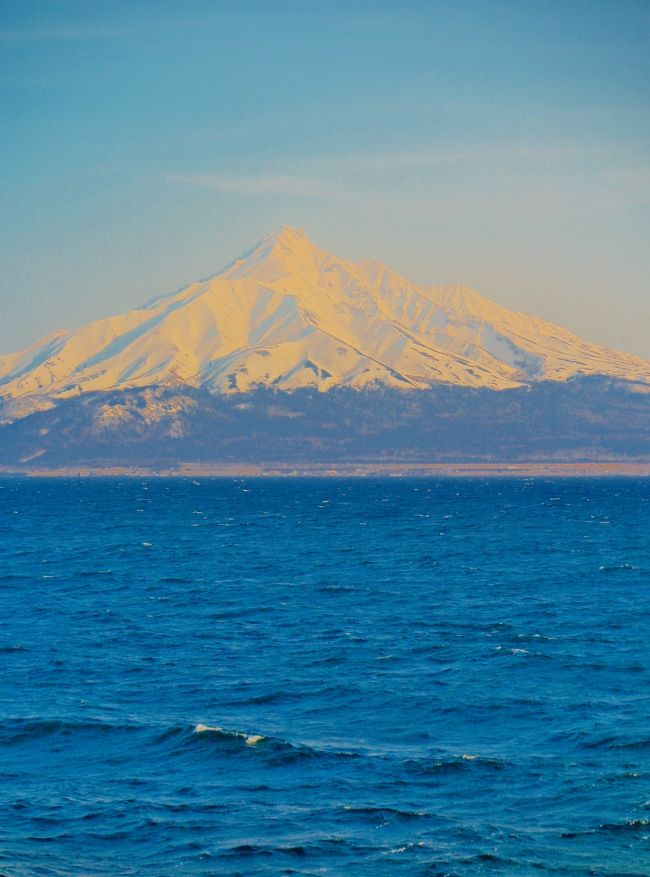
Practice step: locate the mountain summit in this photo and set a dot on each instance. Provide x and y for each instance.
(287, 314)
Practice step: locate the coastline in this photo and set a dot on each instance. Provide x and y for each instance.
(342, 470)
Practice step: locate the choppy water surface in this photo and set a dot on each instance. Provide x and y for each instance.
(410, 676)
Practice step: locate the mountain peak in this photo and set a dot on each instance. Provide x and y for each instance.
(273, 256)
(288, 239)
(287, 314)
(288, 234)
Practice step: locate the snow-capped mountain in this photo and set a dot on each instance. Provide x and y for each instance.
(287, 314)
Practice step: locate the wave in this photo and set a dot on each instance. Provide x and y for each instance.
(17, 730)
(383, 815)
(452, 764)
(618, 567)
(612, 742)
(249, 739)
(630, 825)
(93, 573)
(329, 846)
(276, 750)
(177, 738)
(643, 743)
(270, 697)
(20, 728)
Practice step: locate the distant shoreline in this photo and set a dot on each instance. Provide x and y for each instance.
(342, 470)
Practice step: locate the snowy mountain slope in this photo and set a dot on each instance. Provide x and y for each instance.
(288, 315)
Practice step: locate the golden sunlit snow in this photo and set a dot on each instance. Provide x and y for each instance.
(288, 314)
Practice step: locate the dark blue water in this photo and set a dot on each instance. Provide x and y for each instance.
(448, 677)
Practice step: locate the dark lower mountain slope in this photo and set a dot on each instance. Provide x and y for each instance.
(585, 419)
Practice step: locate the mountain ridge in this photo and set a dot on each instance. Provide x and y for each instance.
(288, 315)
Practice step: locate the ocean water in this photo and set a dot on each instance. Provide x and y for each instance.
(324, 677)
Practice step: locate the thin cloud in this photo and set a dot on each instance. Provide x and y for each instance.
(479, 175)
(258, 185)
(323, 176)
(413, 159)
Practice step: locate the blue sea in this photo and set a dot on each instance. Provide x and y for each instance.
(324, 677)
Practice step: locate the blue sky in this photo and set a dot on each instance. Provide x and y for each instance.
(499, 144)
